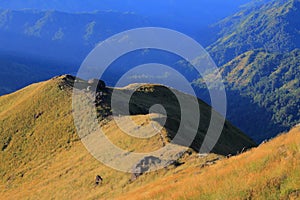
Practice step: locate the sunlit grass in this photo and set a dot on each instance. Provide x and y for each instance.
(44, 159)
(271, 171)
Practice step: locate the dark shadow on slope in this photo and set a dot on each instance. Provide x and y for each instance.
(232, 140)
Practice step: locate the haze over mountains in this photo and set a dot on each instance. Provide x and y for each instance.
(47, 43)
(213, 10)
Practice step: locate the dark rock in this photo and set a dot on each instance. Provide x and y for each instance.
(144, 165)
(98, 180)
(36, 116)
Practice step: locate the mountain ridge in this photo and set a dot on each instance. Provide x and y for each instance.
(38, 133)
(51, 162)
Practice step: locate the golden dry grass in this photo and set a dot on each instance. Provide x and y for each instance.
(271, 171)
(43, 158)
(132, 144)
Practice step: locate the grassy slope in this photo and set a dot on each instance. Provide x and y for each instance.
(271, 171)
(42, 157)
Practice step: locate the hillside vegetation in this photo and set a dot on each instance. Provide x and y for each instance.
(272, 25)
(257, 50)
(271, 79)
(42, 157)
(264, 88)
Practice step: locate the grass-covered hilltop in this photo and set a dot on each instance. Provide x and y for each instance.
(42, 156)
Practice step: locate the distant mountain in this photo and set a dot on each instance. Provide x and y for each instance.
(47, 39)
(60, 36)
(184, 12)
(272, 25)
(62, 33)
(76, 22)
(49, 43)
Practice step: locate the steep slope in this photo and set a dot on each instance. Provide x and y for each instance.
(270, 171)
(42, 156)
(262, 91)
(271, 25)
(272, 80)
(258, 53)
